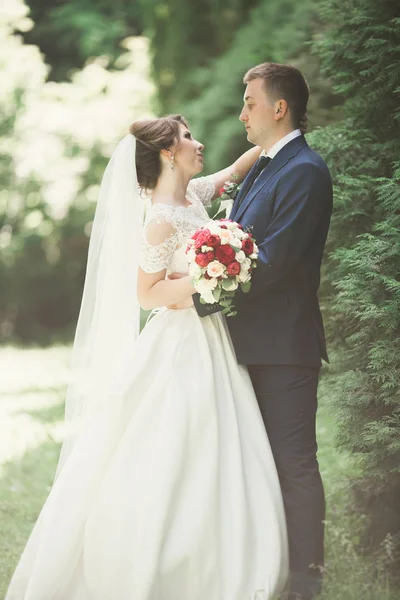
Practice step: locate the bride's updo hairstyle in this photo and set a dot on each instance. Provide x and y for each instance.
(152, 136)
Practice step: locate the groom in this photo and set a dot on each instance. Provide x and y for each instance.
(278, 333)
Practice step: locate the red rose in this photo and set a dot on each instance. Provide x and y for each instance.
(213, 241)
(222, 191)
(233, 268)
(201, 237)
(247, 247)
(225, 254)
(204, 259)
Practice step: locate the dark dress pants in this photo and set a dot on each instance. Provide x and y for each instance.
(287, 396)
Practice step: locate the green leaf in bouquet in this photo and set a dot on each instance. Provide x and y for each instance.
(217, 294)
(245, 287)
(226, 302)
(213, 208)
(235, 248)
(226, 285)
(229, 312)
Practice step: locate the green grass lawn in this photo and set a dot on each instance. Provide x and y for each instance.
(32, 391)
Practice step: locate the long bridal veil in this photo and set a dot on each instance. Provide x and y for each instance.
(109, 318)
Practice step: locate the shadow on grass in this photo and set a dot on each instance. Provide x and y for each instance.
(50, 414)
(24, 486)
(59, 390)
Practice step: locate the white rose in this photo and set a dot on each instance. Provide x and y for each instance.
(240, 234)
(240, 256)
(254, 255)
(215, 269)
(236, 242)
(244, 277)
(195, 270)
(214, 228)
(226, 236)
(206, 249)
(205, 289)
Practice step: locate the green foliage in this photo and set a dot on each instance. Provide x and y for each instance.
(206, 84)
(185, 38)
(361, 286)
(69, 33)
(54, 144)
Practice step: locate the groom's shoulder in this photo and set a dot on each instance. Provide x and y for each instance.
(310, 156)
(310, 161)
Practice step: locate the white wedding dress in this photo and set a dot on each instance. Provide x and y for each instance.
(171, 491)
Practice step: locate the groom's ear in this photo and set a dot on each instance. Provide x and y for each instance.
(281, 109)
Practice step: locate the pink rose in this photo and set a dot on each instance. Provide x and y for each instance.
(203, 259)
(233, 268)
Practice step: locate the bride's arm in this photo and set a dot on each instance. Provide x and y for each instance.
(155, 291)
(237, 171)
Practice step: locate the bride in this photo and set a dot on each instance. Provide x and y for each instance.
(166, 488)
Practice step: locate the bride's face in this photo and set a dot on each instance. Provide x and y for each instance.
(188, 153)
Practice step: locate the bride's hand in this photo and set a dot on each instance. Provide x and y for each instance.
(185, 303)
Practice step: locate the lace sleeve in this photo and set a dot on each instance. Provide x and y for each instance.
(202, 188)
(160, 240)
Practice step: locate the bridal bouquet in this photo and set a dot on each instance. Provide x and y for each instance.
(221, 259)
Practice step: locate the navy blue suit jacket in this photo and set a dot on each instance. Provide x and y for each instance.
(288, 208)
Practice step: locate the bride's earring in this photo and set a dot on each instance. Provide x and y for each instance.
(172, 162)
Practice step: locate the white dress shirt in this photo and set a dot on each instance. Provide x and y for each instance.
(282, 142)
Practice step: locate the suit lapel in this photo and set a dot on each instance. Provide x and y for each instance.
(279, 161)
(243, 189)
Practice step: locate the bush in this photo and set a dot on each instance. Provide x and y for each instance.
(361, 285)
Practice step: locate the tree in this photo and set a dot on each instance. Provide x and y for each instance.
(55, 140)
(361, 53)
(185, 39)
(71, 32)
(272, 32)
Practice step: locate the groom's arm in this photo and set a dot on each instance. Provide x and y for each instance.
(303, 195)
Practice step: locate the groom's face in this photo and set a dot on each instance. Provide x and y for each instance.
(258, 114)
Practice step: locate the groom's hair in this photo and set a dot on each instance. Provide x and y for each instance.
(286, 82)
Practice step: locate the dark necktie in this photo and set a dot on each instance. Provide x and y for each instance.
(259, 166)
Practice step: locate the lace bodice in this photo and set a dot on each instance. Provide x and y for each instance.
(168, 228)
